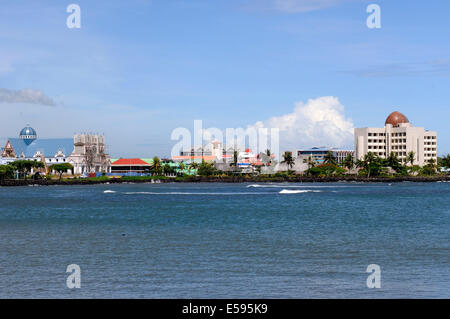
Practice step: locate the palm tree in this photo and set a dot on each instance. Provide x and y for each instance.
(393, 162)
(445, 162)
(193, 165)
(432, 162)
(269, 155)
(360, 163)
(368, 160)
(329, 158)
(287, 158)
(156, 166)
(349, 163)
(310, 161)
(411, 157)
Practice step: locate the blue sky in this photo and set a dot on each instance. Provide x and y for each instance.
(138, 69)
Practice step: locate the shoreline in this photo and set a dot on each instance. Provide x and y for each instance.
(228, 179)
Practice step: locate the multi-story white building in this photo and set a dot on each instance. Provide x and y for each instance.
(397, 136)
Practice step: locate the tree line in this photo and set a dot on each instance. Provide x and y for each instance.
(23, 168)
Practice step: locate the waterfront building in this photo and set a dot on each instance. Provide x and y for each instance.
(400, 137)
(85, 152)
(89, 154)
(317, 154)
(27, 146)
(130, 165)
(212, 152)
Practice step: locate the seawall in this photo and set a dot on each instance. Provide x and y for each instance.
(232, 179)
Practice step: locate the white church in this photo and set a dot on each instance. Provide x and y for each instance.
(85, 152)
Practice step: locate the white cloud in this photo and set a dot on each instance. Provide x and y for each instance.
(25, 96)
(318, 122)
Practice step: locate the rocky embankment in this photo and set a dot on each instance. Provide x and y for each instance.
(229, 179)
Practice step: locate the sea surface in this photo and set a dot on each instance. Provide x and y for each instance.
(226, 240)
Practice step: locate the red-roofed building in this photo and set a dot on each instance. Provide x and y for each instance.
(127, 165)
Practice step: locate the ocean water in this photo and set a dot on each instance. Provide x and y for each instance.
(226, 240)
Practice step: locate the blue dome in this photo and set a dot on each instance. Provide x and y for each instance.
(28, 134)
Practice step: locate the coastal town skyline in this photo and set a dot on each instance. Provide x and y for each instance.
(226, 158)
(235, 64)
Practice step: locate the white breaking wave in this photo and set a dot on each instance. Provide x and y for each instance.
(191, 193)
(295, 186)
(109, 191)
(297, 191)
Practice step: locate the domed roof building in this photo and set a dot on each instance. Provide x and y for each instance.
(396, 118)
(400, 137)
(86, 152)
(28, 134)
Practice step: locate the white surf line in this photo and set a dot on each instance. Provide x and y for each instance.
(194, 193)
(298, 186)
(299, 191)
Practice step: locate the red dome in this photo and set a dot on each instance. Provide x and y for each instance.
(396, 118)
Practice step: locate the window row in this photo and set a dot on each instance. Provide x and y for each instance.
(399, 140)
(398, 134)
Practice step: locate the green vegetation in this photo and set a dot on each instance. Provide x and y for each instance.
(288, 159)
(371, 166)
(349, 163)
(329, 158)
(207, 169)
(411, 157)
(6, 172)
(167, 169)
(24, 166)
(444, 162)
(193, 165)
(325, 170)
(156, 166)
(61, 168)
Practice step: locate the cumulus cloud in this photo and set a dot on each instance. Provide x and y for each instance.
(318, 122)
(29, 96)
